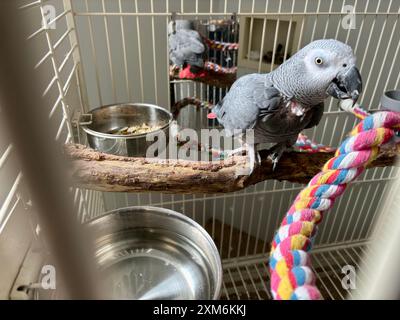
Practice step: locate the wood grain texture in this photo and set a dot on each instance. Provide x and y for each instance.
(91, 169)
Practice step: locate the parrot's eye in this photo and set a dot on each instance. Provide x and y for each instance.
(318, 61)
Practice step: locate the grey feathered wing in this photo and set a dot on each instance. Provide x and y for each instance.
(251, 97)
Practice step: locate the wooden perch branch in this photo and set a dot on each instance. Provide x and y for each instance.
(212, 78)
(104, 172)
(176, 108)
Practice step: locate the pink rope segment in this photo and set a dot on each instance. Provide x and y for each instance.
(220, 45)
(211, 66)
(291, 274)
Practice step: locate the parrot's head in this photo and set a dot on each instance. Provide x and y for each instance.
(176, 25)
(325, 68)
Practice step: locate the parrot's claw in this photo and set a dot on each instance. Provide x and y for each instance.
(258, 157)
(274, 157)
(254, 160)
(276, 152)
(236, 152)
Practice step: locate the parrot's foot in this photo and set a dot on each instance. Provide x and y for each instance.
(276, 153)
(236, 152)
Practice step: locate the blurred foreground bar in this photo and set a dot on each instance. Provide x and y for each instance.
(40, 157)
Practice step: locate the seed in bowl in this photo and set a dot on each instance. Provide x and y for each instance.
(139, 129)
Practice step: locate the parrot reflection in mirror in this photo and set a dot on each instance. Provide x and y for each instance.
(186, 49)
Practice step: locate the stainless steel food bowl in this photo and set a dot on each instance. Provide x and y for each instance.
(99, 125)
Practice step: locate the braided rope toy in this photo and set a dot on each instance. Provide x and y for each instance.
(211, 66)
(198, 103)
(185, 73)
(291, 275)
(305, 144)
(220, 45)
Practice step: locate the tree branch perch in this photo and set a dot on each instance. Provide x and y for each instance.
(104, 172)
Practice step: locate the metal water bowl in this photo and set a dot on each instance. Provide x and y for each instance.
(155, 253)
(101, 124)
(150, 253)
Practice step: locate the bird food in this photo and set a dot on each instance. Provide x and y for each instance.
(138, 129)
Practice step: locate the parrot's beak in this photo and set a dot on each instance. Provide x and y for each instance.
(346, 85)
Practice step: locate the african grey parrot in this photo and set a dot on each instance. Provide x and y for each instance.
(186, 47)
(282, 103)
